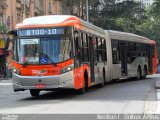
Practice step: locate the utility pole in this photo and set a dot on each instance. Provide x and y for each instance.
(46, 6)
(87, 18)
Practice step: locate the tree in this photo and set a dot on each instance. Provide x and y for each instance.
(76, 7)
(125, 16)
(3, 29)
(156, 9)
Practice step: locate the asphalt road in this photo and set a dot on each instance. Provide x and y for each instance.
(127, 96)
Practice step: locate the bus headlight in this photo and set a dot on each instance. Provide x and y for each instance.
(16, 71)
(67, 69)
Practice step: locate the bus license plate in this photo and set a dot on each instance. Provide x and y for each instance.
(40, 86)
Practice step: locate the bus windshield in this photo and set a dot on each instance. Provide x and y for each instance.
(43, 50)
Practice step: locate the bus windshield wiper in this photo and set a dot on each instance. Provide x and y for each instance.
(46, 55)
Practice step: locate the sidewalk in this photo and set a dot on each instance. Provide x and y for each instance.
(5, 80)
(157, 87)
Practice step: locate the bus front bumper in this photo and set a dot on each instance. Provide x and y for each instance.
(21, 83)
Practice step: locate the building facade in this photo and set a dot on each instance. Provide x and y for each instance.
(15, 11)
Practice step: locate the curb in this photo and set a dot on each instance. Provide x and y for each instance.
(157, 86)
(5, 79)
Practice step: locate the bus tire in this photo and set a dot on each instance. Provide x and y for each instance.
(139, 73)
(34, 93)
(145, 72)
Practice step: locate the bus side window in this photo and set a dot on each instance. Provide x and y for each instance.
(152, 50)
(84, 47)
(104, 50)
(95, 46)
(115, 51)
(85, 55)
(138, 49)
(77, 43)
(99, 49)
(144, 50)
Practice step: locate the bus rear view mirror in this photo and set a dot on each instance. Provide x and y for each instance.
(13, 32)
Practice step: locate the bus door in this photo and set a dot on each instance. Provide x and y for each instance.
(92, 58)
(123, 53)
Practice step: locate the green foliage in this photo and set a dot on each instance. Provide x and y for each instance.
(3, 29)
(151, 26)
(128, 16)
(124, 16)
(155, 10)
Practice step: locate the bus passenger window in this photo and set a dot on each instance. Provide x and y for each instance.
(94, 42)
(99, 49)
(115, 51)
(85, 48)
(77, 44)
(104, 50)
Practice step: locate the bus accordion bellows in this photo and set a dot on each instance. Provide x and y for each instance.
(63, 51)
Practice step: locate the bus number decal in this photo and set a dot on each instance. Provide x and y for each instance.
(42, 31)
(28, 33)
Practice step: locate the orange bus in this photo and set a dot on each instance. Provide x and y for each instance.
(63, 51)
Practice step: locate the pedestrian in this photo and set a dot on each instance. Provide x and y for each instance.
(8, 22)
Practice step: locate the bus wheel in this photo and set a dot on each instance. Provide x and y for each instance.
(34, 92)
(139, 73)
(145, 72)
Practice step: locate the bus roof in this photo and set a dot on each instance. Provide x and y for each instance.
(69, 20)
(124, 36)
(60, 21)
(153, 42)
(49, 21)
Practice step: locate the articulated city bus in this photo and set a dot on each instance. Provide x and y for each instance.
(59, 51)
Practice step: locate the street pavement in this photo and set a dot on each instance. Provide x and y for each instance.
(127, 96)
(157, 86)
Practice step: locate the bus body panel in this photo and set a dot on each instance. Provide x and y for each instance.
(154, 58)
(116, 71)
(79, 76)
(131, 67)
(51, 82)
(109, 66)
(99, 72)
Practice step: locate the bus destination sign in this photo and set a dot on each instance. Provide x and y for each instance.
(41, 31)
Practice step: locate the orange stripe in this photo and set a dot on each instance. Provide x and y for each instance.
(51, 69)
